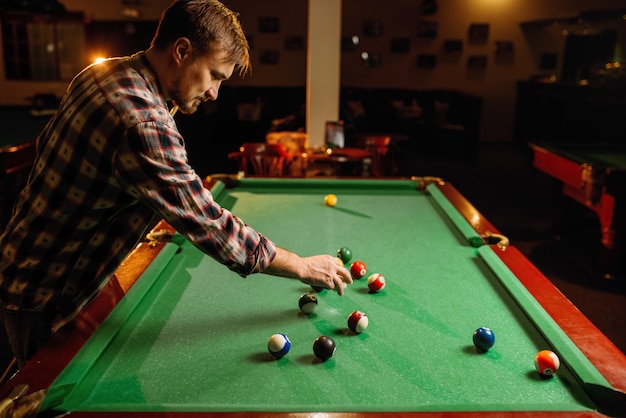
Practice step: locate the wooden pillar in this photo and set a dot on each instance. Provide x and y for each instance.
(323, 67)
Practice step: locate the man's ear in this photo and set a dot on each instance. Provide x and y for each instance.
(181, 49)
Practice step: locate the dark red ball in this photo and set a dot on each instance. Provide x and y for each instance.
(358, 270)
(358, 322)
(324, 347)
(376, 282)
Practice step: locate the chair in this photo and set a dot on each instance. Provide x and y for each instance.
(261, 159)
(15, 164)
(378, 147)
(295, 144)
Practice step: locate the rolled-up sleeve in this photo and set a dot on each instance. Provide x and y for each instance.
(151, 165)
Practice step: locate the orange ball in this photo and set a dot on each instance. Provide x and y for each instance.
(547, 363)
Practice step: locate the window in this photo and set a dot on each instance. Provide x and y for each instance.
(42, 47)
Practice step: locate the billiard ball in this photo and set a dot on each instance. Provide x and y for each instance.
(357, 322)
(376, 282)
(345, 254)
(324, 347)
(307, 303)
(278, 345)
(358, 269)
(484, 338)
(547, 363)
(330, 200)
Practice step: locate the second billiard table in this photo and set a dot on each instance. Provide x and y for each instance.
(189, 337)
(593, 175)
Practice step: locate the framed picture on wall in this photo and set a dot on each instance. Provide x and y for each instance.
(373, 28)
(294, 43)
(478, 33)
(426, 61)
(269, 56)
(477, 62)
(399, 45)
(349, 43)
(269, 24)
(453, 46)
(503, 53)
(371, 60)
(504, 47)
(427, 29)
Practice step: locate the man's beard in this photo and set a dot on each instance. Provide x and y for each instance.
(187, 107)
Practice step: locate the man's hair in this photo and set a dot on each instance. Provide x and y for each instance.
(209, 26)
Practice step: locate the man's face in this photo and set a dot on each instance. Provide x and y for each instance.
(198, 79)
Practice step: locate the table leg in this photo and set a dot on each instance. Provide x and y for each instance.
(610, 210)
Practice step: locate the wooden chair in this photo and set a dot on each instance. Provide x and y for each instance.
(261, 159)
(378, 147)
(15, 164)
(296, 144)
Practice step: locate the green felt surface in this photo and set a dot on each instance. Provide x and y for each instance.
(193, 337)
(19, 126)
(614, 159)
(598, 155)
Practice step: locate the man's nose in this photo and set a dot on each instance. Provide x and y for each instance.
(213, 91)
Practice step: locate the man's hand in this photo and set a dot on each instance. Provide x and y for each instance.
(324, 271)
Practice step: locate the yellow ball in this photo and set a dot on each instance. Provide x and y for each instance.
(330, 200)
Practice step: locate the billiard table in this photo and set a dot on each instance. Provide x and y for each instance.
(594, 175)
(19, 125)
(17, 152)
(175, 334)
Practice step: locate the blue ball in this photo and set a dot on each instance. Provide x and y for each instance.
(278, 345)
(484, 338)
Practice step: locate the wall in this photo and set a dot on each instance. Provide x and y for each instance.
(496, 83)
(292, 19)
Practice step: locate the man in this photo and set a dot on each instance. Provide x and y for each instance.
(110, 159)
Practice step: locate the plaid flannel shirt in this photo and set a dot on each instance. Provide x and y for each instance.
(109, 160)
